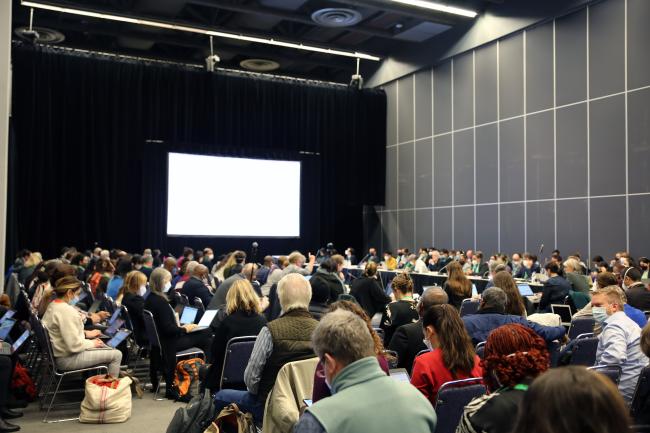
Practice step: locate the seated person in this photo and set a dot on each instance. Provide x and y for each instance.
(556, 288)
(619, 341)
(637, 293)
(479, 267)
(6, 373)
(275, 275)
(575, 276)
(321, 390)
(173, 338)
(643, 415)
(528, 267)
(72, 346)
(457, 286)
(572, 399)
(242, 318)
(368, 292)
(115, 284)
(326, 279)
(265, 270)
(320, 300)
(363, 398)
(297, 264)
(370, 257)
(132, 297)
(283, 340)
(197, 285)
(492, 314)
(408, 340)
(514, 356)
(403, 310)
(451, 356)
(517, 305)
(248, 272)
(435, 264)
(390, 262)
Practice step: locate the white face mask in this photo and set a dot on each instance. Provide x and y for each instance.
(168, 286)
(599, 313)
(427, 343)
(143, 290)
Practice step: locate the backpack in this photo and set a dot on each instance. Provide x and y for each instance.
(22, 385)
(232, 420)
(187, 372)
(195, 417)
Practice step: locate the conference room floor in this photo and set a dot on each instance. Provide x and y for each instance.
(147, 415)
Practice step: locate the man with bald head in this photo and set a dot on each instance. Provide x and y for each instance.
(407, 340)
(248, 272)
(197, 285)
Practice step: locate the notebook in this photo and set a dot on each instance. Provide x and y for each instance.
(189, 315)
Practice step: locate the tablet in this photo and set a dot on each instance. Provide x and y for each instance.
(525, 290)
(115, 315)
(399, 374)
(5, 327)
(8, 315)
(119, 337)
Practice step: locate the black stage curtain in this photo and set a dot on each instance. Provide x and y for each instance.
(91, 136)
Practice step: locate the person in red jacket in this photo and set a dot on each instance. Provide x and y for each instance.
(452, 355)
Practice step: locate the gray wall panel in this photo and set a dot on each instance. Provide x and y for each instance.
(607, 146)
(442, 98)
(389, 230)
(571, 58)
(487, 164)
(486, 84)
(463, 91)
(512, 160)
(487, 229)
(639, 141)
(464, 167)
(391, 113)
(638, 54)
(539, 68)
(540, 225)
(512, 227)
(511, 76)
(442, 227)
(607, 48)
(639, 226)
(423, 107)
(608, 224)
(423, 172)
(539, 156)
(372, 226)
(424, 227)
(464, 227)
(391, 177)
(442, 170)
(572, 227)
(571, 161)
(405, 175)
(405, 109)
(406, 230)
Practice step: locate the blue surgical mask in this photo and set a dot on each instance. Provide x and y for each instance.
(599, 313)
(74, 301)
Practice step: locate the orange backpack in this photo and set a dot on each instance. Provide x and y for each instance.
(187, 371)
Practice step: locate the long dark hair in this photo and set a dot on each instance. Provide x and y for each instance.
(457, 282)
(455, 343)
(515, 303)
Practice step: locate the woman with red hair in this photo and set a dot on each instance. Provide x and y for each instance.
(514, 356)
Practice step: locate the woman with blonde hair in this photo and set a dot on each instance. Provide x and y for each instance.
(135, 282)
(132, 296)
(457, 286)
(241, 318)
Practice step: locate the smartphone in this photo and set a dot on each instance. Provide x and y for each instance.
(307, 402)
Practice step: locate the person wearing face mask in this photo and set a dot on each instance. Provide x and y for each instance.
(208, 257)
(197, 285)
(350, 257)
(637, 293)
(451, 353)
(133, 294)
(72, 346)
(644, 265)
(516, 263)
(479, 267)
(619, 341)
(528, 267)
(364, 398)
(390, 262)
(173, 338)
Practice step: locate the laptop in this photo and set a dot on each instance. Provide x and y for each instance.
(206, 320)
(115, 316)
(119, 338)
(79, 299)
(474, 291)
(525, 290)
(7, 350)
(399, 374)
(95, 306)
(308, 277)
(5, 328)
(189, 315)
(112, 330)
(8, 315)
(564, 311)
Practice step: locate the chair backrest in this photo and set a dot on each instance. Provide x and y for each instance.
(611, 371)
(50, 351)
(238, 352)
(392, 358)
(647, 314)
(381, 333)
(41, 336)
(274, 309)
(198, 304)
(584, 351)
(150, 329)
(581, 325)
(469, 306)
(127, 318)
(480, 349)
(184, 299)
(451, 401)
(641, 397)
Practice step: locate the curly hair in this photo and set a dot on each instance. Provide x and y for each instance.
(513, 353)
(402, 282)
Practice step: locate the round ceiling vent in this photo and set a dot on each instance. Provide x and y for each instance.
(41, 35)
(336, 17)
(259, 65)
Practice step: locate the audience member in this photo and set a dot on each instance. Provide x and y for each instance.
(643, 415)
(170, 265)
(619, 341)
(265, 270)
(115, 284)
(6, 374)
(451, 355)
(401, 311)
(350, 257)
(297, 264)
(235, 262)
(517, 305)
(479, 267)
(371, 256)
(556, 288)
(644, 265)
(368, 292)
(492, 314)
(363, 398)
(219, 298)
(514, 356)
(275, 276)
(572, 399)
(326, 280)
(282, 340)
(197, 285)
(133, 293)
(575, 276)
(528, 267)
(147, 265)
(637, 293)
(457, 286)
(103, 273)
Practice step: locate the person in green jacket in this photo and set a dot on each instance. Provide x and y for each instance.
(363, 398)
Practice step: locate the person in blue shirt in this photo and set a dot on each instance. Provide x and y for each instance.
(115, 284)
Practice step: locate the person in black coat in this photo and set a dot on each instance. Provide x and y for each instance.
(320, 300)
(368, 292)
(403, 310)
(173, 338)
(326, 279)
(240, 318)
(407, 340)
(134, 303)
(196, 286)
(556, 288)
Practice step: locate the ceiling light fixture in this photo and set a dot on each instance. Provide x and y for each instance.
(438, 7)
(183, 28)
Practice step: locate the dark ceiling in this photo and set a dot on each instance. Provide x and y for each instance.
(385, 29)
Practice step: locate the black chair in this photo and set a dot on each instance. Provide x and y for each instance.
(640, 406)
(469, 307)
(451, 400)
(480, 349)
(238, 352)
(584, 350)
(647, 315)
(381, 333)
(611, 371)
(198, 304)
(274, 309)
(581, 325)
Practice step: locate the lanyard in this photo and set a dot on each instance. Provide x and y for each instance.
(521, 387)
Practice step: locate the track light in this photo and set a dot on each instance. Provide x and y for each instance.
(438, 7)
(190, 29)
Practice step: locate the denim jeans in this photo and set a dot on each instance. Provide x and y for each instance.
(246, 402)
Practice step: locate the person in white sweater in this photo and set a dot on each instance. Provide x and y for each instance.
(74, 347)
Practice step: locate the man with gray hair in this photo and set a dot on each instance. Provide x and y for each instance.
(283, 340)
(407, 340)
(219, 300)
(296, 263)
(492, 314)
(363, 398)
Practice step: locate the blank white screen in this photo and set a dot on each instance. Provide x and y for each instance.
(223, 196)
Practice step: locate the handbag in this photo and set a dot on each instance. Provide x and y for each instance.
(107, 400)
(231, 419)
